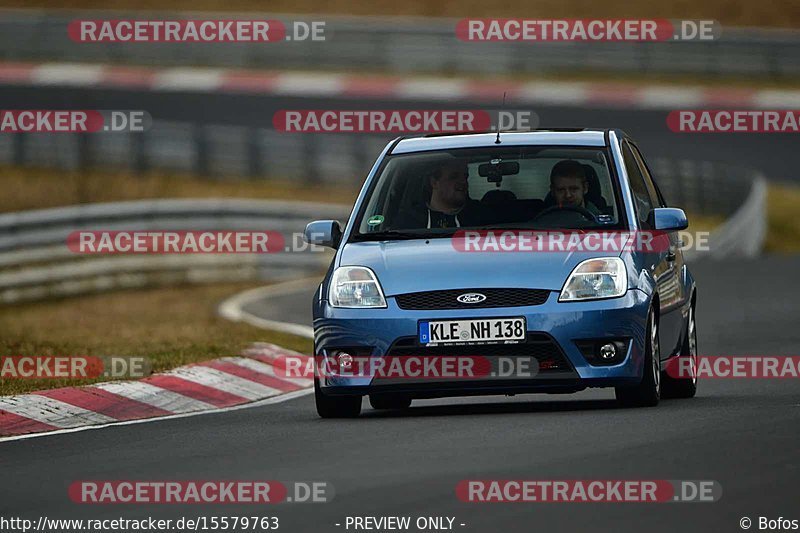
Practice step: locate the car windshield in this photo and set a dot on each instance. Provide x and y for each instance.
(531, 187)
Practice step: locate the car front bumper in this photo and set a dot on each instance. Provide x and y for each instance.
(377, 332)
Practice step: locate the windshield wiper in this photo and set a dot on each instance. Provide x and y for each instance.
(396, 235)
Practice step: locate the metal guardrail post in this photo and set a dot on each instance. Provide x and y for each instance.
(84, 151)
(139, 152)
(201, 166)
(312, 164)
(254, 157)
(18, 141)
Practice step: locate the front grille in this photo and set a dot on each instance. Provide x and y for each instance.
(538, 345)
(447, 299)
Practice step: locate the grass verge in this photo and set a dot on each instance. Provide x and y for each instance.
(171, 327)
(699, 223)
(34, 188)
(783, 219)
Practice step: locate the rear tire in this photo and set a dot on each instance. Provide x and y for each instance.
(336, 406)
(389, 401)
(684, 387)
(648, 391)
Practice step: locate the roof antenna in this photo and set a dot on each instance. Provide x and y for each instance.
(497, 139)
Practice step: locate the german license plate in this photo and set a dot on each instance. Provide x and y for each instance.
(475, 331)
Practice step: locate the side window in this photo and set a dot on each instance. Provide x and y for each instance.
(652, 188)
(641, 196)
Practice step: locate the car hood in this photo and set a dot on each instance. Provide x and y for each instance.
(416, 265)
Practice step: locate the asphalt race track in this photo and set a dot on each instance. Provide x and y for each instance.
(743, 434)
(767, 153)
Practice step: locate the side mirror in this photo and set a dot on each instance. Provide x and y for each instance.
(324, 233)
(667, 219)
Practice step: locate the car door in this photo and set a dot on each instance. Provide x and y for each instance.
(671, 288)
(658, 261)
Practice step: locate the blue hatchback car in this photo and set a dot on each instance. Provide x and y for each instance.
(490, 247)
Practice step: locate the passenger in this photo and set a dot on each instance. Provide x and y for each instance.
(448, 203)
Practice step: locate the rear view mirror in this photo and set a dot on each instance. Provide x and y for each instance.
(324, 233)
(494, 172)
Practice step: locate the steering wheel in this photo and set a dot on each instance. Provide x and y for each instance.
(548, 212)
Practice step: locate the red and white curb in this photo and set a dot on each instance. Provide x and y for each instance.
(299, 84)
(211, 386)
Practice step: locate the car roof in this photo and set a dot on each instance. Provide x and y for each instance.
(572, 137)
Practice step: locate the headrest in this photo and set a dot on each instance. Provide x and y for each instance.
(498, 196)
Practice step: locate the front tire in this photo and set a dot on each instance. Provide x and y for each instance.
(336, 406)
(648, 391)
(685, 387)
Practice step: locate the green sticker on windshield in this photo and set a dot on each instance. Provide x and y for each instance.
(375, 220)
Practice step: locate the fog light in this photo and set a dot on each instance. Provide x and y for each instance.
(608, 351)
(604, 351)
(345, 360)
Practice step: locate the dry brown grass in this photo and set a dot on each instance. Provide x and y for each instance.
(171, 327)
(778, 13)
(783, 219)
(31, 188)
(699, 222)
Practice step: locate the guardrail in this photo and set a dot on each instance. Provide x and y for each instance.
(257, 153)
(35, 262)
(203, 149)
(402, 45)
(743, 233)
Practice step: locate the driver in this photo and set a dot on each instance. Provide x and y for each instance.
(568, 185)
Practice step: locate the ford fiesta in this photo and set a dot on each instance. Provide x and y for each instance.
(479, 264)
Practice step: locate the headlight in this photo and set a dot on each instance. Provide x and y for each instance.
(596, 278)
(354, 286)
